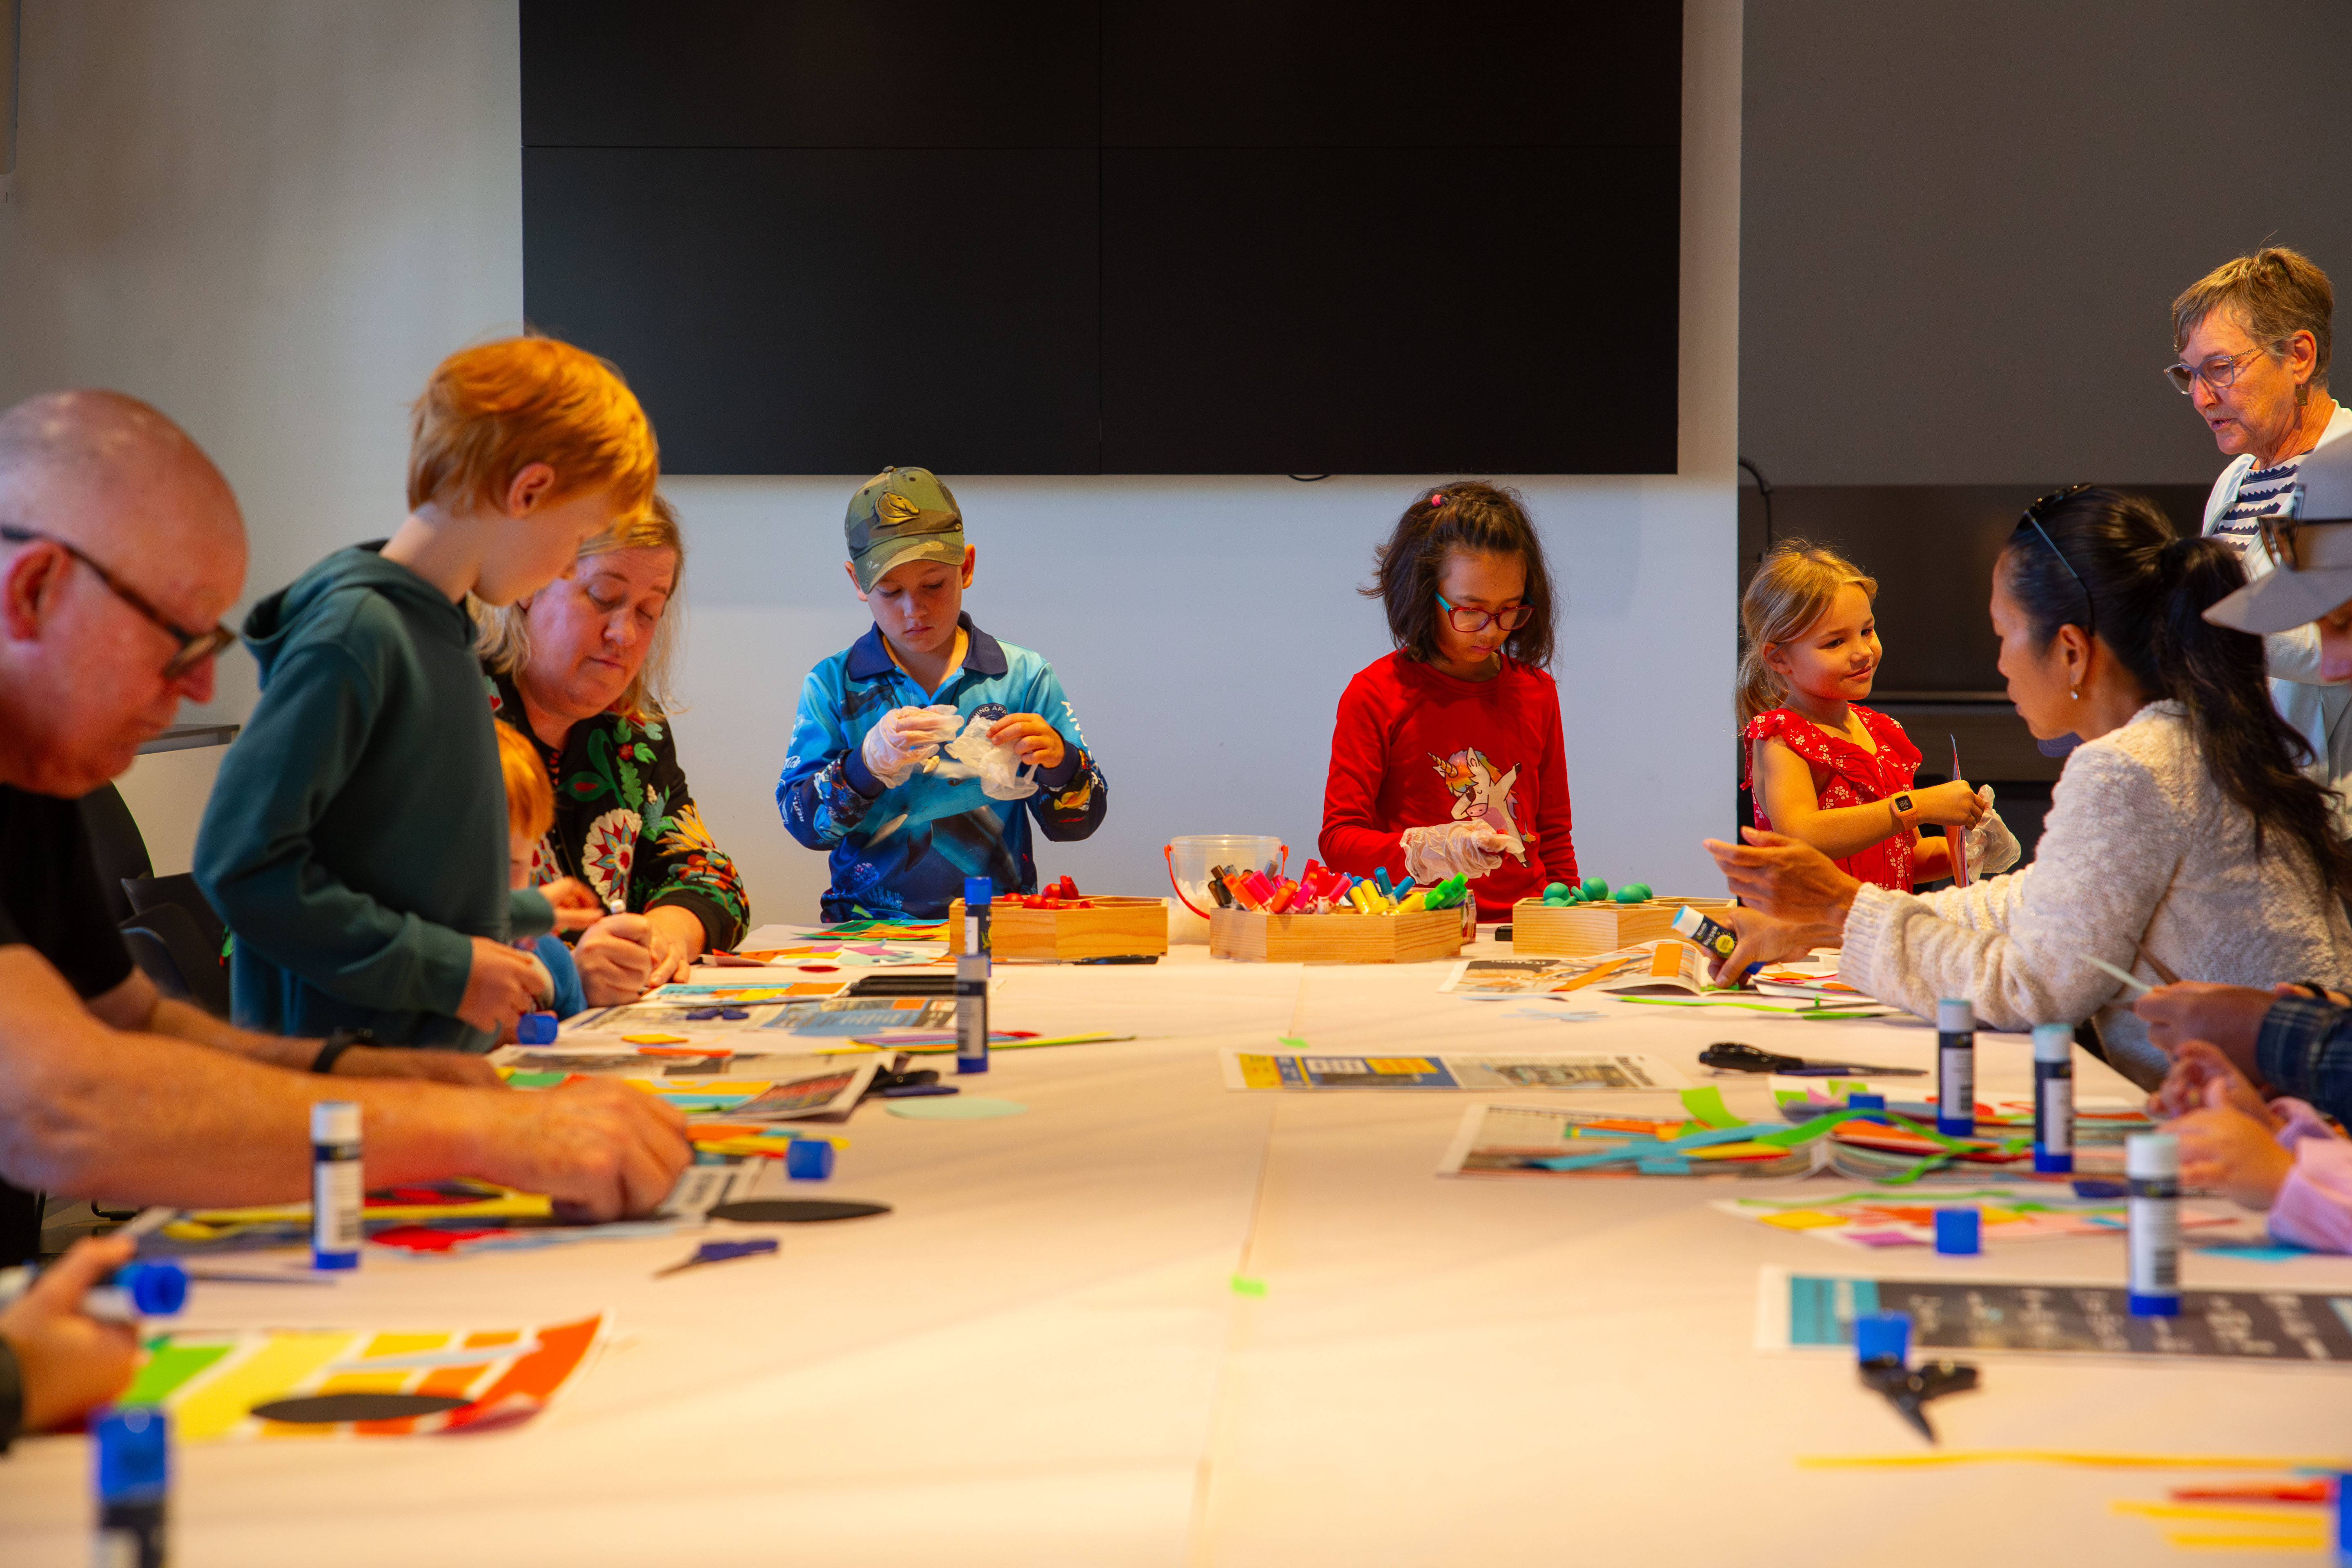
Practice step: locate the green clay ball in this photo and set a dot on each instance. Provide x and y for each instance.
(1594, 887)
(1555, 893)
(1633, 893)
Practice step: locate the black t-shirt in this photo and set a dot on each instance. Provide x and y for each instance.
(49, 895)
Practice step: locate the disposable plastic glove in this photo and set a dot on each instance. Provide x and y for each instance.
(1992, 847)
(998, 768)
(903, 739)
(1453, 849)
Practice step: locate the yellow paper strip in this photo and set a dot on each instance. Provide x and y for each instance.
(2299, 1515)
(2310, 1541)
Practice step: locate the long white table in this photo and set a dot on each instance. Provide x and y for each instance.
(1040, 1356)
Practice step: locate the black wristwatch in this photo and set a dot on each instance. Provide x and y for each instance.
(339, 1042)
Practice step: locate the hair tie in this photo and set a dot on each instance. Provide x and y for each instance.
(1436, 500)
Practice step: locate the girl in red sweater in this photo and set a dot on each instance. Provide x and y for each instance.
(1448, 758)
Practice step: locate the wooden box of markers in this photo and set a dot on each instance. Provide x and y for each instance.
(1113, 928)
(1576, 931)
(1253, 936)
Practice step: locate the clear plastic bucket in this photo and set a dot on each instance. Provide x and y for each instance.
(1188, 859)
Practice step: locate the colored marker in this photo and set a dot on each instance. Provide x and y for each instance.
(134, 1291)
(2152, 1166)
(1956, 1067)
(335, 1196)
(2054, 1097)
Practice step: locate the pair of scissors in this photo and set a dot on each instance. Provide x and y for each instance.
(722, 1252)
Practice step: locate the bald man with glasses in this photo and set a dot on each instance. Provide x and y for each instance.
(119, 541)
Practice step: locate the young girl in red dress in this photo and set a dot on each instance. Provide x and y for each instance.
(1824, 769)
(1447, 754)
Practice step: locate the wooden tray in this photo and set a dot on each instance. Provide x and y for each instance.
(1255, 936)
(1540, 930)
(1114, 928)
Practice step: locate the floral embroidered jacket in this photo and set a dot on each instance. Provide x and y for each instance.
(624, 821)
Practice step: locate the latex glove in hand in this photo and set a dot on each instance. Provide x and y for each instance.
(903, 739)
(1453, 849)
(1992, 847)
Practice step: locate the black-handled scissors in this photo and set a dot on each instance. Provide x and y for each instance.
(1730, 1056)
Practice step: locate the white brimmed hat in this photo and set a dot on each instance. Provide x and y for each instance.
(2311, 542)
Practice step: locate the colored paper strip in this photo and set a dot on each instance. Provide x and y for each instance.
(1705, 1103)
(168, 1366)
(278, 1366)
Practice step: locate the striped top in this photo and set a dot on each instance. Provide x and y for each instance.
(2263, 492)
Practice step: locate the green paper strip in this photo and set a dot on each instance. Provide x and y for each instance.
(168, 1366)
(1244, 1286)
(1705, 1104)
(1803, 1131)
(1290, 1042)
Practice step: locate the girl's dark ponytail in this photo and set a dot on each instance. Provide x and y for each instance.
(2149, 588)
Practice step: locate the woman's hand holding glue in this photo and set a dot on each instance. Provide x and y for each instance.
(1992, 847)
(903, 739)
(1453, 850)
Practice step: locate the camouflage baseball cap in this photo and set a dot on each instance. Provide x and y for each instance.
(898, 515)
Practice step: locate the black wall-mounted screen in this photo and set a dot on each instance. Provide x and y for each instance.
(1106, 236)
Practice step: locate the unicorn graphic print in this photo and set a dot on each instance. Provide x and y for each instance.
(1483, 794)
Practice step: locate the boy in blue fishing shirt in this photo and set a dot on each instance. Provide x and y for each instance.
(922, 750)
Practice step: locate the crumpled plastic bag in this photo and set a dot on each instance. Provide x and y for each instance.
(972, 755)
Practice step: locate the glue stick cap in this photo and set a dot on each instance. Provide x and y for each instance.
(134, 1456)
(1856, 1099)
(535, 1029)
(2151, 1156)
(2053, 1042)
(1955, 1016)
(157, 1289)
(809, 1159)
(334, 1121)
(978, 891)
(1882, 1336)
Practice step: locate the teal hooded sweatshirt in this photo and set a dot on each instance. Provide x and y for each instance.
(356, 837)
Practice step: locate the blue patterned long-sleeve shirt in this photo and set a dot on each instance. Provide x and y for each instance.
(908, 849)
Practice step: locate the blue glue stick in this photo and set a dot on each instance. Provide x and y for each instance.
(132, 1445)
(972, 978)
(2152, 1167)
(334, 1185)
(1956, 1067)
(135, 1290)
(2054, 1097)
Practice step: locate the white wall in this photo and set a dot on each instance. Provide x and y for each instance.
(271, 217)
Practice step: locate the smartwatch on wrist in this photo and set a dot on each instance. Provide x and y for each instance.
(1906, 811)
(339, 1042)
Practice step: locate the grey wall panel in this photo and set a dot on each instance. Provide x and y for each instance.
(1962, 225)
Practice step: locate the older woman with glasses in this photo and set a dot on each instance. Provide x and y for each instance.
(2183, 839)
(2252, 337)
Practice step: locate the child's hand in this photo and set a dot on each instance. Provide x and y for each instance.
(2196, 1066)
(1452, 849)
(1040, 745)
(1955, 804)
(502, 986)
(2230, 1016)
(2225, 1151)
(70, 1362)
(902, 739)
(576, 906)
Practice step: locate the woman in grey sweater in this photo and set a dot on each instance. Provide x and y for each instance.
(2181, 831)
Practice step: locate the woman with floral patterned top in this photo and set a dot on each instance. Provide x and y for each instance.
(578, 668)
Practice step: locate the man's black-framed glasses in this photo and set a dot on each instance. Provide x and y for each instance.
(2032, 519)
(194, 646)
(1469, 621)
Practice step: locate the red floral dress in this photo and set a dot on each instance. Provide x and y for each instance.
(1856, 778)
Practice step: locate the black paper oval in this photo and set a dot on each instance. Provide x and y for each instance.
(794, 1211)
(327, 1409)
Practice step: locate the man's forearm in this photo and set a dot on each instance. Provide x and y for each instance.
(179, 1021)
